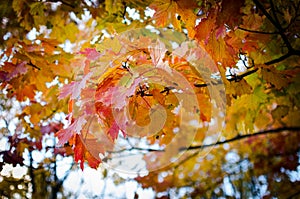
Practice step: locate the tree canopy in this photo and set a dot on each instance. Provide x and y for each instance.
(198, 99)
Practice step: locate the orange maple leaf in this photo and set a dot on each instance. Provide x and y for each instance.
(172, 12)
(82, 152)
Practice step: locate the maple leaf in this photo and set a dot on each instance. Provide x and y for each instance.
(20, 69)
(274, 77)
(91, 53)
(119, 97)
(113, 131)
(167, 11)
(74, 88)
(219, 50)
(114, 120)
(82, 152)
(79, 151)
(64, 135)
(164, 13)
(51, 128)
(157, 52)
(107, 96)
(205, 27)
(230, 13)
(28, 91)
(12, 157)
(104, 112)
(107, 87)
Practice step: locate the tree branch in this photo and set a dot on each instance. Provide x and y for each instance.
(296, 7)
(214, 83)
(274, 14)
(294, 195)
(240, 137)
(283, 57)
(279, 59)
(258, 32)
(138, 149)
(201, 85)
(31, 172)
(275, 21)
(238, 78)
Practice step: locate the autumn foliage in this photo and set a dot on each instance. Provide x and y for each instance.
(206, 92)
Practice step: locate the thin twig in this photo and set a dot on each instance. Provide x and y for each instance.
(258, 32)
(274, 22)
(283, 57)
(277, 25)
(240, 137)
(34, 66)
(212, 83)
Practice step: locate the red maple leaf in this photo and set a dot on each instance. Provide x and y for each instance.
(82, 153)
(64, 135)
(91, 53)
(114, 131)
(74, 88)
(18, 70)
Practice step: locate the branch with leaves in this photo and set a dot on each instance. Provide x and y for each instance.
(199, 147)
(240, 137)
(281, 31)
